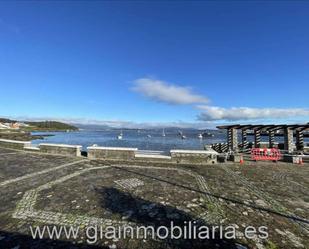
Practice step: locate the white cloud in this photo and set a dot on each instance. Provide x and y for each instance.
(213, 113)
(165, 92)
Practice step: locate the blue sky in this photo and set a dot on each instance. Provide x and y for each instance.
(152, 62)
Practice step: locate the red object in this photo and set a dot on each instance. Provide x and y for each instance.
(241, 160)
(265, 154)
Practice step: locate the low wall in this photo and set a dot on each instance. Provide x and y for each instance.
(266, 145)
(297, 159)
(19, 145)
(96, 152)
(61, 149)
(194, 156)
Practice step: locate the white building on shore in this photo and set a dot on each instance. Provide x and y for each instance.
(4, 126)
(14, 126)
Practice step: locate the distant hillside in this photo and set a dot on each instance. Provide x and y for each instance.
(52, 125)
(5, 120)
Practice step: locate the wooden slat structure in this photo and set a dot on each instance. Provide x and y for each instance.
(288, 131)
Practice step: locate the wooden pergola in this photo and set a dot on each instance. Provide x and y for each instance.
(288, 130)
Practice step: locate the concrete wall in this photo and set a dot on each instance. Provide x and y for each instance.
(19, 145)
(95, 152)
(61, 149)
(194, 156)
(293, 158)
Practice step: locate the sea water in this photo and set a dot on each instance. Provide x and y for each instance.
(141, 139)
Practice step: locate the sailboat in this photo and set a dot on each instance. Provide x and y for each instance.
(182, 135)
(163, 133)
(119, 137)
(208, 134)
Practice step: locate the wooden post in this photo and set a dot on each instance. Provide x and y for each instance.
(257, 138)
(232, 139)
(271, 137)
(244, 139)
(299, 140)
(288, 139)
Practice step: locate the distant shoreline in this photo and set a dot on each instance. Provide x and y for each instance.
(21, 131)
(22, 136)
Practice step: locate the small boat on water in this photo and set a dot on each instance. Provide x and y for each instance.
(181, 135)
(208, 134)
(120, 136)
(149, 135)
(163, 133)
(200, 136)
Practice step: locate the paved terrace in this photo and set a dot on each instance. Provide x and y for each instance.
(41, 189)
